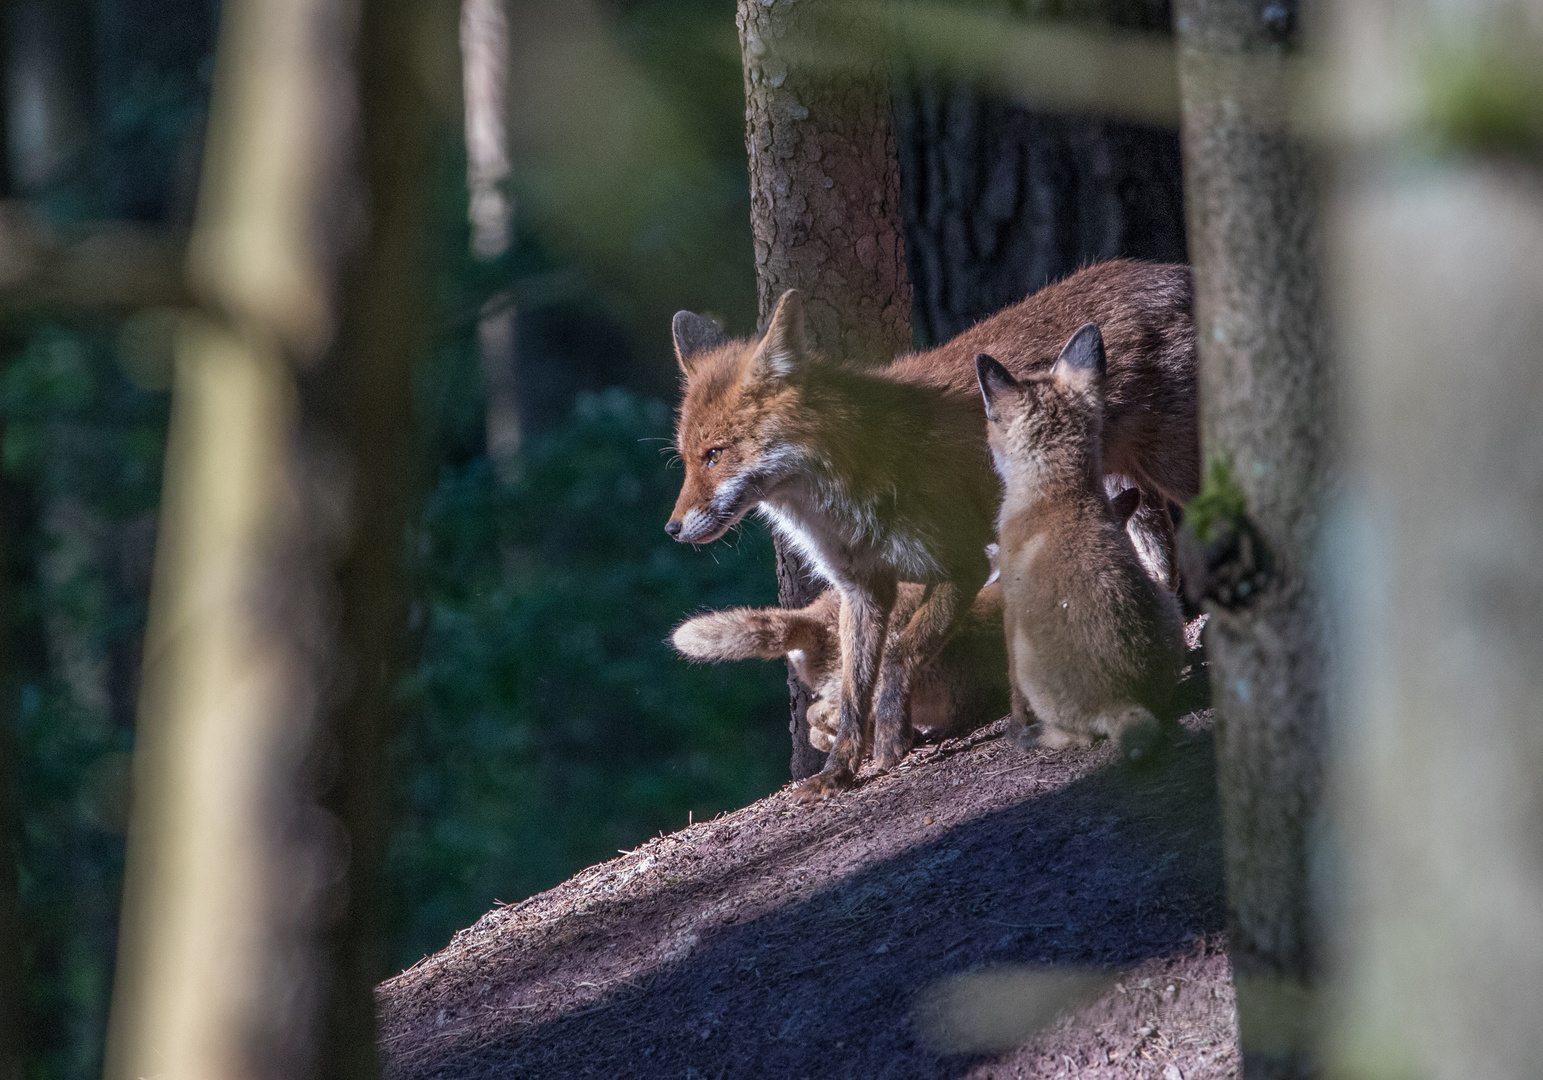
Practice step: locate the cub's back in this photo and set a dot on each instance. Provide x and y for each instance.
(1099, 628)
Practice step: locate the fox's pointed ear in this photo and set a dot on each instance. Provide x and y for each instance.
(694, 334)
(783, 347)
(1081, 364)
(995, 380)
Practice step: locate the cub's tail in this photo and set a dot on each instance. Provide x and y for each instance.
(746, 634)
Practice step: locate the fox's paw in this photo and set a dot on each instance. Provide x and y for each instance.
(823, 785)
(1024, 736)
(1041, 736)
(891, 748)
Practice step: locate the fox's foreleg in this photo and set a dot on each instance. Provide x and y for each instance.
(865, 610)
(935, 621)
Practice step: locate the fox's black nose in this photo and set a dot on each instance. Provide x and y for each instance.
(672, 527)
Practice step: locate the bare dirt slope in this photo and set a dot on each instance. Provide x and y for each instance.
(784, 941)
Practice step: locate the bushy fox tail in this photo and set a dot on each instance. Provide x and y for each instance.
(746, 634)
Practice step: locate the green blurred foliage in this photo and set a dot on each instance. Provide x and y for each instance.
(552, 725)
(86, 442)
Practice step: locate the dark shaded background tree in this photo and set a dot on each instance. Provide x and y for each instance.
(1268, 419)
(825, 211)
(407, 61)
(1000, 200)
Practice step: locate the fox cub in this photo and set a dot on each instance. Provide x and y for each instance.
(882, 476)
(965, 687)
(1095, 646)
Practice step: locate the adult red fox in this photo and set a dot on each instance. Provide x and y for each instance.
(1095, 646)
(883, 476)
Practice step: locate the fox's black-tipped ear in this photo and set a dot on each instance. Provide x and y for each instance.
(1081, 363)
(995, 380)
(694, 334)
(783, 347)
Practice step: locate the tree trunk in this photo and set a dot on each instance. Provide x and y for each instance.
(366, 394)
(1438, 259)
(824, 211)
(485, 82)
(1266, 415)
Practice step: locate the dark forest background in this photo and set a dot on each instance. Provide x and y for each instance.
(549, 724)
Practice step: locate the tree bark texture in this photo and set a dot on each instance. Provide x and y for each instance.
(999, 201)
(365, 394)
(1267, 415)
(825, 211)
(1438, 261)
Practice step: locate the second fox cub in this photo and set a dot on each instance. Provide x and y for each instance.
(1095, 647)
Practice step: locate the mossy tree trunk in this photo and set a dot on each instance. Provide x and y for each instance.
(825, 209)
(1267, 417)
(1437, 227)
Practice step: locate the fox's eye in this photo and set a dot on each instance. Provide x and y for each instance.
(711, 457)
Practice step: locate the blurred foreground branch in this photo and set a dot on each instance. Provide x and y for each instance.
(229, 860)
(115, 270)
(1438, 252)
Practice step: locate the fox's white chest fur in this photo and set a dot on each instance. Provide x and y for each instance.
(840, 545)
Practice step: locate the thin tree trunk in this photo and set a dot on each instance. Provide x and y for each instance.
(824, 211)
(1267, 415)
(1437, 230)
(485, 78)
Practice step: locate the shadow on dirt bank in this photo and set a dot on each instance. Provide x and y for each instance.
(1112, 868)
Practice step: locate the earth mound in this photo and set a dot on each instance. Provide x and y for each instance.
(788, 941)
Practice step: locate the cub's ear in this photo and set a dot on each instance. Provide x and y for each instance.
(694, 334)
(783, 346)
(1081, 363)
(995, 381)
